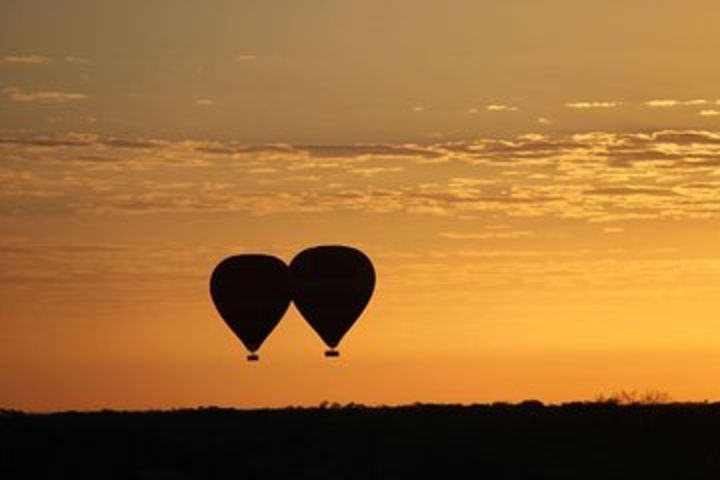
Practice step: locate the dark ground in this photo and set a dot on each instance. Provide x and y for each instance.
(525, 441)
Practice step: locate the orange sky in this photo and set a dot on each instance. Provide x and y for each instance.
(537, 184)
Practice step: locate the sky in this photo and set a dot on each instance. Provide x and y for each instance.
(536, 182)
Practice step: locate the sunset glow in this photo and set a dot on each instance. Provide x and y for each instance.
(537, 184)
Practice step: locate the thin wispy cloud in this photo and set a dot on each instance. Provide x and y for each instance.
(662, 103)
(372, 171)
(42, 96)
(593, 104)
(31, 59)
(666, 103)
(504, 234)
(75, 59)
(501, 108)
(35, 59)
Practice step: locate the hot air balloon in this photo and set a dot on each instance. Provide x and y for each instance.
(331, 286)
(251, 293)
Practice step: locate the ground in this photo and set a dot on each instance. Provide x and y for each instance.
(499, 441)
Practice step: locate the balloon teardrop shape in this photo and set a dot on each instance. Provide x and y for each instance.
(331, 286)
(251, 293)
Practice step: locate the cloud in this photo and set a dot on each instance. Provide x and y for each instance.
(531, 149)
(100, 152)
(245, 58)
(74, 59)
(71, 249)
(666, 103)
(64, 268)
(709, 113)
(593, 104)
(379, 150)
(68, 140)
(204, 102)
(662, 103)
(624, 191)
(683, 138)
(372, 171)
(42, 96)
(487, 211)
(490, 235)
(501, 108)
(231, 148)
(80, 140)
(589, 177)
(135, 143)
(32, 59)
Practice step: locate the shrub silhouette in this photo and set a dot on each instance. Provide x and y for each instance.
(633, 397)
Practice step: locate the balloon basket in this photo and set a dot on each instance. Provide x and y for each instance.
(253, 357)
(332, 353)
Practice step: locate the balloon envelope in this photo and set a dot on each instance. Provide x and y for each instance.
(251, 293)
(331, 286)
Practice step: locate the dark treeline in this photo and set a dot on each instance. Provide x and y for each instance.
(500, 441)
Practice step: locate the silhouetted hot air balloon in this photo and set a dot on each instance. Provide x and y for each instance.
(251, 293)
(331, 285)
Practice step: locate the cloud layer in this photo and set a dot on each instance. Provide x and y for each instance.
(590, 177)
